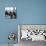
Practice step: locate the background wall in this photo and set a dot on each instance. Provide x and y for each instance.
(28, 12)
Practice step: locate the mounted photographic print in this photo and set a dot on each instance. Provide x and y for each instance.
(32, 32)
(10, 12)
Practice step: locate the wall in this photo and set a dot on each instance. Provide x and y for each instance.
(28, 12)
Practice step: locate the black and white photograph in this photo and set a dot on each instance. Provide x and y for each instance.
(10, 12)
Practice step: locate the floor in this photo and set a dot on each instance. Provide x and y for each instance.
(7, 45)
(30, 43)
